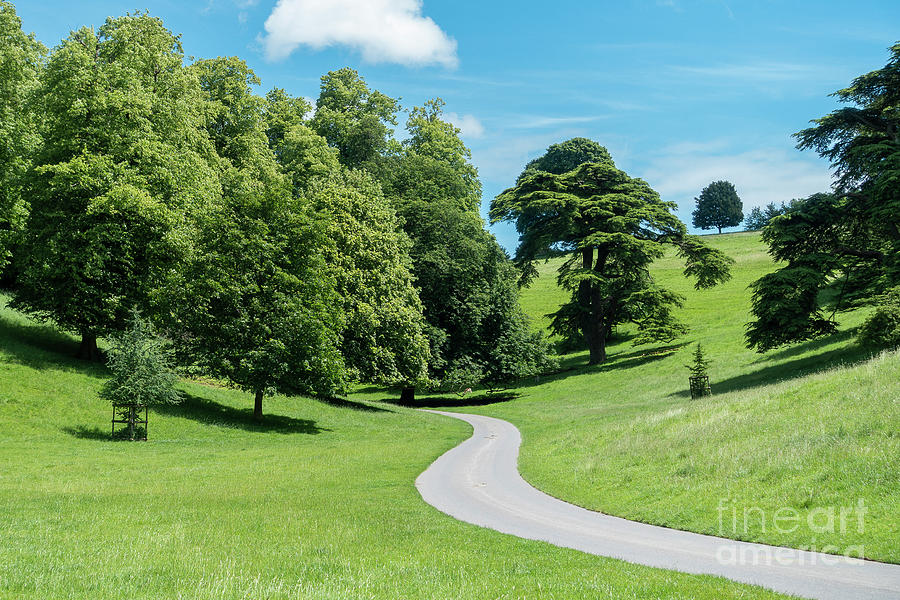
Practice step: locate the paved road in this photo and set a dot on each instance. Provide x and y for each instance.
(478, 482)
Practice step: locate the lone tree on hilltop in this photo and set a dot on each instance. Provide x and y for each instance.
(718, 206)
(574, 202)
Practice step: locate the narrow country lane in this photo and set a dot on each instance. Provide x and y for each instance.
(479, 482)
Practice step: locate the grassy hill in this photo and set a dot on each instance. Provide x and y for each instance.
(803, 428)
(318, 502)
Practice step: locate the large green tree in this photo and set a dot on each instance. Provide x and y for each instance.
(383, 340)
(123, 160)
(849, 239)
(611, 227)
(477, 331)
(718, 206)
(255, 302)
(21, 59)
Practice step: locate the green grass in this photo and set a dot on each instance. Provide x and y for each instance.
(318, 502)
(792, 429)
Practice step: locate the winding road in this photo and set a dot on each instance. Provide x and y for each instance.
(479, 482)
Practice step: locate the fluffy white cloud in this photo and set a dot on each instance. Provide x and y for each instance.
(469, 125)
(382, 30)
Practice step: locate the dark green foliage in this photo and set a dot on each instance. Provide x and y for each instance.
(612, 227)
(718, 206)
(21, 60)
(476, 330)
(851, 237)
(760, 217)
(700, 365)
(882, 328)
(141, 367)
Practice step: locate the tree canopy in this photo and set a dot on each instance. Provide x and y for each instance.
(21, 60)
(123, 158)
(848, 239)
(718, 206)
(611, 227)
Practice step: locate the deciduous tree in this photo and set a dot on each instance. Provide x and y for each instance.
(21, 59)
(718, 206)
(123, 160)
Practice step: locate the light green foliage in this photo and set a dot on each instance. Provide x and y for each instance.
(436, 163)
(383, 339)
(123, 161)
(612, 227)
(255, 303)
(852, 235)
(21, 59)
(315, 502)
(882, 328)
(718, 206)
(141, 367)
(282, 113)
(354, 120)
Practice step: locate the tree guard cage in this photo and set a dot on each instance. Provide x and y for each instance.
(129, 415)
(700, 386)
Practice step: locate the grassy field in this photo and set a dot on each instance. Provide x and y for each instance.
(798, 429)
(316, 503)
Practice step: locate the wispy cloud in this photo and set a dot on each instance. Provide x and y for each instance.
(383, 31)
(469, 125)
(758, 71)
(539, 122)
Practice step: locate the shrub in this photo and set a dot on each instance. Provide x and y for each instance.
(882, 328)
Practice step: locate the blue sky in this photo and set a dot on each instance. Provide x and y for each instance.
(682, 92)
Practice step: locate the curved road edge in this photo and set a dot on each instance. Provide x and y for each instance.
(478, 482)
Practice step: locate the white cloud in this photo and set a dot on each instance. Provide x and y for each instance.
(760, 176)
(381, 30)
(468, 125)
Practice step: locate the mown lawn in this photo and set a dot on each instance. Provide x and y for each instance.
(318, 502)
(790, 430)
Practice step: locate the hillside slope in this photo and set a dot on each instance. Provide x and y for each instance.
(788, 430)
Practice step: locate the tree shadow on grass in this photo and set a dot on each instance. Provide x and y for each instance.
(39, 346)
(786, 371)
(572, 366)
(90, 433)
(458, 402)
(351, 404)
(219, 415)
(809, 346)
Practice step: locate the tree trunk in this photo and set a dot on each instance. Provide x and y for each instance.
(720, 228)
(408, 396)
(88, 350)
(597, 344)
(257, 405)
